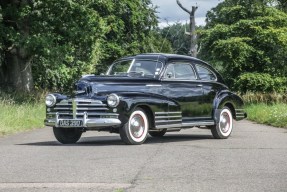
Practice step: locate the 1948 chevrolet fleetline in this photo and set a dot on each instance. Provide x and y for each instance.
(146, 94)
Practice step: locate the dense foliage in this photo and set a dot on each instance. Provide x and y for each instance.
(51, 43)
(246, 36)
(260, 82)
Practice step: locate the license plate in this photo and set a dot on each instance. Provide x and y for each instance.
(70, 123)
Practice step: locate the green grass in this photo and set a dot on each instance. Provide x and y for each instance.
(20, 113)
(17, 118)
(274, 114)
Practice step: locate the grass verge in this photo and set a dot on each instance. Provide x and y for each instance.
(17, 118)
(274, 114)
(20, 113)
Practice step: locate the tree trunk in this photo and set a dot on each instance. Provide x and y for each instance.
(18, 72)
(193, 39)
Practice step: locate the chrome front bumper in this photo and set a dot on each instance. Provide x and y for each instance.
(87, 123)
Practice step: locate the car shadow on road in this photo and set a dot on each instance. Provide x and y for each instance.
(115, 140)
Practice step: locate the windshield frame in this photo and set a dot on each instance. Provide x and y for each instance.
(132, 62)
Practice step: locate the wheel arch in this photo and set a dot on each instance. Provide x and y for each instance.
(227, 99)
(232, 108)
(150, 115)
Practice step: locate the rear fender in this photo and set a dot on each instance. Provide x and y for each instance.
(230, 100)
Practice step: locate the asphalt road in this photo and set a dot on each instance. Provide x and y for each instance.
(253, 159)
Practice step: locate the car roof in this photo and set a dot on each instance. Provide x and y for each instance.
(165, 56)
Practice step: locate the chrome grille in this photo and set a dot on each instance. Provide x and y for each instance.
(76, 108)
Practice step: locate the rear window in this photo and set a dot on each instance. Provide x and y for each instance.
(204, 73)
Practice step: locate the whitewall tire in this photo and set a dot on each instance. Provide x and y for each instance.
(135, 131)
(223, 129)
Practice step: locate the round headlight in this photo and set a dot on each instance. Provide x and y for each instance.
(113, 100)
(50, 100)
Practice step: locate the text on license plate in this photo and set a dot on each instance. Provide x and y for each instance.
(70, 123)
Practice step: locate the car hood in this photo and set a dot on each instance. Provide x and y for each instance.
(102, 85)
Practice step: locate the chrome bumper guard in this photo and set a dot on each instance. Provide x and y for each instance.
(87, 123)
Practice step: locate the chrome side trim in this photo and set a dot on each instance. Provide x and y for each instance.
(203, 123)
(164, 113)
(185, 125)
(167, 117)
(167, 121)
(168, 126)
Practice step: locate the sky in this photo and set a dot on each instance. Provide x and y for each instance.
(169, 10)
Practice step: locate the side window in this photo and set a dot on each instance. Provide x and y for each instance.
(179, 71)
(204, 73)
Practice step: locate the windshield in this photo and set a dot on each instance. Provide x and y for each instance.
(145, 68)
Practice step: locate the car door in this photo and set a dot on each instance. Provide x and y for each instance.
(180, 84)
(210, 87)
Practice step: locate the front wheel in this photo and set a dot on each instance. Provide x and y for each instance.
(67, 135)
(223, 129)
(134, 132)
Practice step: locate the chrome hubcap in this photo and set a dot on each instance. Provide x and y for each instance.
(224, 123)
(137, 126)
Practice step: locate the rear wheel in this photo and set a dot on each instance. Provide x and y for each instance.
(67, 135)
(158, 134)
(223, 129)
(134, 132)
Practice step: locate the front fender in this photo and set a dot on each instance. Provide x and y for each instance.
(154, 103)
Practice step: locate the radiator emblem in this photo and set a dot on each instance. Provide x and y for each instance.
(74, 104)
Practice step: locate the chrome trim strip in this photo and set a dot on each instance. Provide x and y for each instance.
(100, 105)
(167, 121)
(167, 117)
(56, 108)
(153, 85)
(163, 113)
(203, 123)
(168, 126)
(63, 104)
(91, 109)
(74, 108)
(100, 114)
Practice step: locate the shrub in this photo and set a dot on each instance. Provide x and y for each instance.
(260, 82)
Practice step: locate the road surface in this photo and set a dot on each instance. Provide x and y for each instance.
(253, 159)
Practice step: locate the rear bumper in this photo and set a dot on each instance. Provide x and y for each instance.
(87, 123)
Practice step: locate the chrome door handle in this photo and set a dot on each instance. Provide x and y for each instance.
(200, 85)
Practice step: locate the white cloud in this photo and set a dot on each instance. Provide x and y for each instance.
(169, 10)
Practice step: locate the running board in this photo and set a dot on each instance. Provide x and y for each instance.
(186, 125)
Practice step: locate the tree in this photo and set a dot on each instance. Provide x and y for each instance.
(131, 26)
(55, 38)
(245, 36)
(48, 44)
(175, 34)
(193, 39)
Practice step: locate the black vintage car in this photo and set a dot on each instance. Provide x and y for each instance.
(146, 94)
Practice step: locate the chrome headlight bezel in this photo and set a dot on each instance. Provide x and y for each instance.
(50, 100)
(113, 100)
